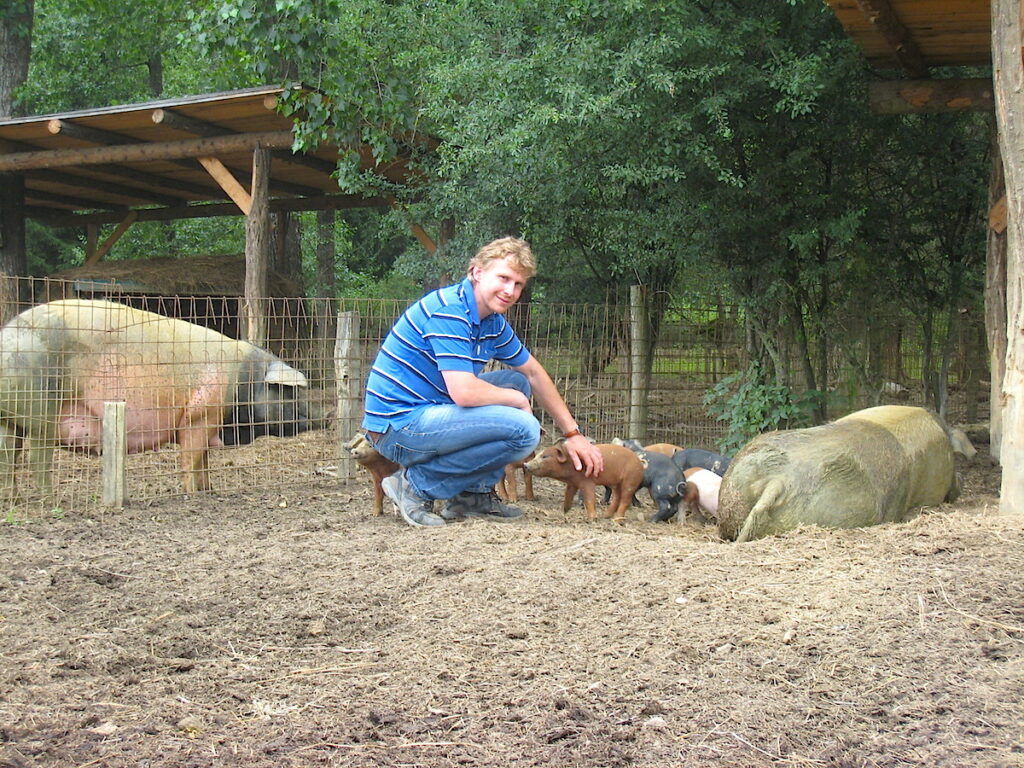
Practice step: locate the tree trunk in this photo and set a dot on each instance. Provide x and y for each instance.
(286, 229)
(995, 303)
(942, 378)
(15, 51)
(326, 287)
(12, 242)
(1009, 92)
(928, 362)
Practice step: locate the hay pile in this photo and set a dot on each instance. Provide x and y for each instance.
(208, 275)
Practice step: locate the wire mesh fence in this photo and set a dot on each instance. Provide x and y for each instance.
(207, 412)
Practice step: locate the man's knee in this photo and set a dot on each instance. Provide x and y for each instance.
(527, 437)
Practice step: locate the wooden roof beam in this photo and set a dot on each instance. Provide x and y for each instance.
(104, 249)
(75, 203)
(134, 153)
(146, 179)
(884, 19)
(900, 97)
(58, 127)
(186, 189)
(188, 124)
(109, 138)
(238, 194)
(204, 211)
(89, 183)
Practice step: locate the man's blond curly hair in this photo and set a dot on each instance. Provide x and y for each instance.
(515, 249)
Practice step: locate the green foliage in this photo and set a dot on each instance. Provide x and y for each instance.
(90, 53)
(49, 249)
(14, 517)
(693, 147)
(751, 404)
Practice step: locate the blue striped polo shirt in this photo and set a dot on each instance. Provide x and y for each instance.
(440, 332)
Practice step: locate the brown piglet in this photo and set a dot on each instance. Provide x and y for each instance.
(366, 456)
(623, 472)
(507, 486)
(666, 449)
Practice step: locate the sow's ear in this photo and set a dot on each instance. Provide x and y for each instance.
(281, 373)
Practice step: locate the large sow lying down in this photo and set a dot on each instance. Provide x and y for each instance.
(870, 467)
(181, 383)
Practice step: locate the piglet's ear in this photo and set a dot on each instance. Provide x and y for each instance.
(561, 454)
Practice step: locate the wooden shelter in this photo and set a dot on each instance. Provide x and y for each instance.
(915, 37)
(222, 154)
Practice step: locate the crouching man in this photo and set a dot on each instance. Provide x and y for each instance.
(431, 410)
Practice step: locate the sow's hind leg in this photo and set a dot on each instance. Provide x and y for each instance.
(10, 443)
(197, 431)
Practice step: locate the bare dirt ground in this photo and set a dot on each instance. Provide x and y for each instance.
(292, 628)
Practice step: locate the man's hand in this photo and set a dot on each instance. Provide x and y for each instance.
(585, 455)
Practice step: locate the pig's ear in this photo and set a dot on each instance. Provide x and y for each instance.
(681, 488)
(281, 373)
(357, 438)
(644, 461)
(561, 454)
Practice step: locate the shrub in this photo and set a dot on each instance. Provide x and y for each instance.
(751, 404)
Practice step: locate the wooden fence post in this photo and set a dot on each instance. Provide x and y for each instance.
(638, 326)
(349, 388)
(115, 448)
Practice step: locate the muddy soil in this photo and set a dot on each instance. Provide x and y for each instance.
(293, 628)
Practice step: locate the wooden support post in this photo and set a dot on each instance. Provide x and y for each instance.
(92, 237)
(1007, 41)
(115, 450)
(103, 250)
(257, 252)
(638, 363)
(227, 181)
(995, 300)
(349, 380)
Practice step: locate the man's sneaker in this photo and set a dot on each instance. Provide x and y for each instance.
(486, 505)
(414, 509)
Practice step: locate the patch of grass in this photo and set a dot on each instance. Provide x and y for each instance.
(13, 517)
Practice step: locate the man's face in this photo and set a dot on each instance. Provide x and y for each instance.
(497, 287)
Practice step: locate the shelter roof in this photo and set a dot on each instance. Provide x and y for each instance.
(98, 165)
(915, 35)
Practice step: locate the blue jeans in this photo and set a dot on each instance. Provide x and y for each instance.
(447, 449)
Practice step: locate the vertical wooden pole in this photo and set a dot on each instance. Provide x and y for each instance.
(637, 363)
(349, 382)
(995, 299)
(257, 252)
(1008, 79)
(115, 449)
(92, 239)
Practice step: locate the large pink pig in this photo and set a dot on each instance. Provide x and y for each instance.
(181, 383)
